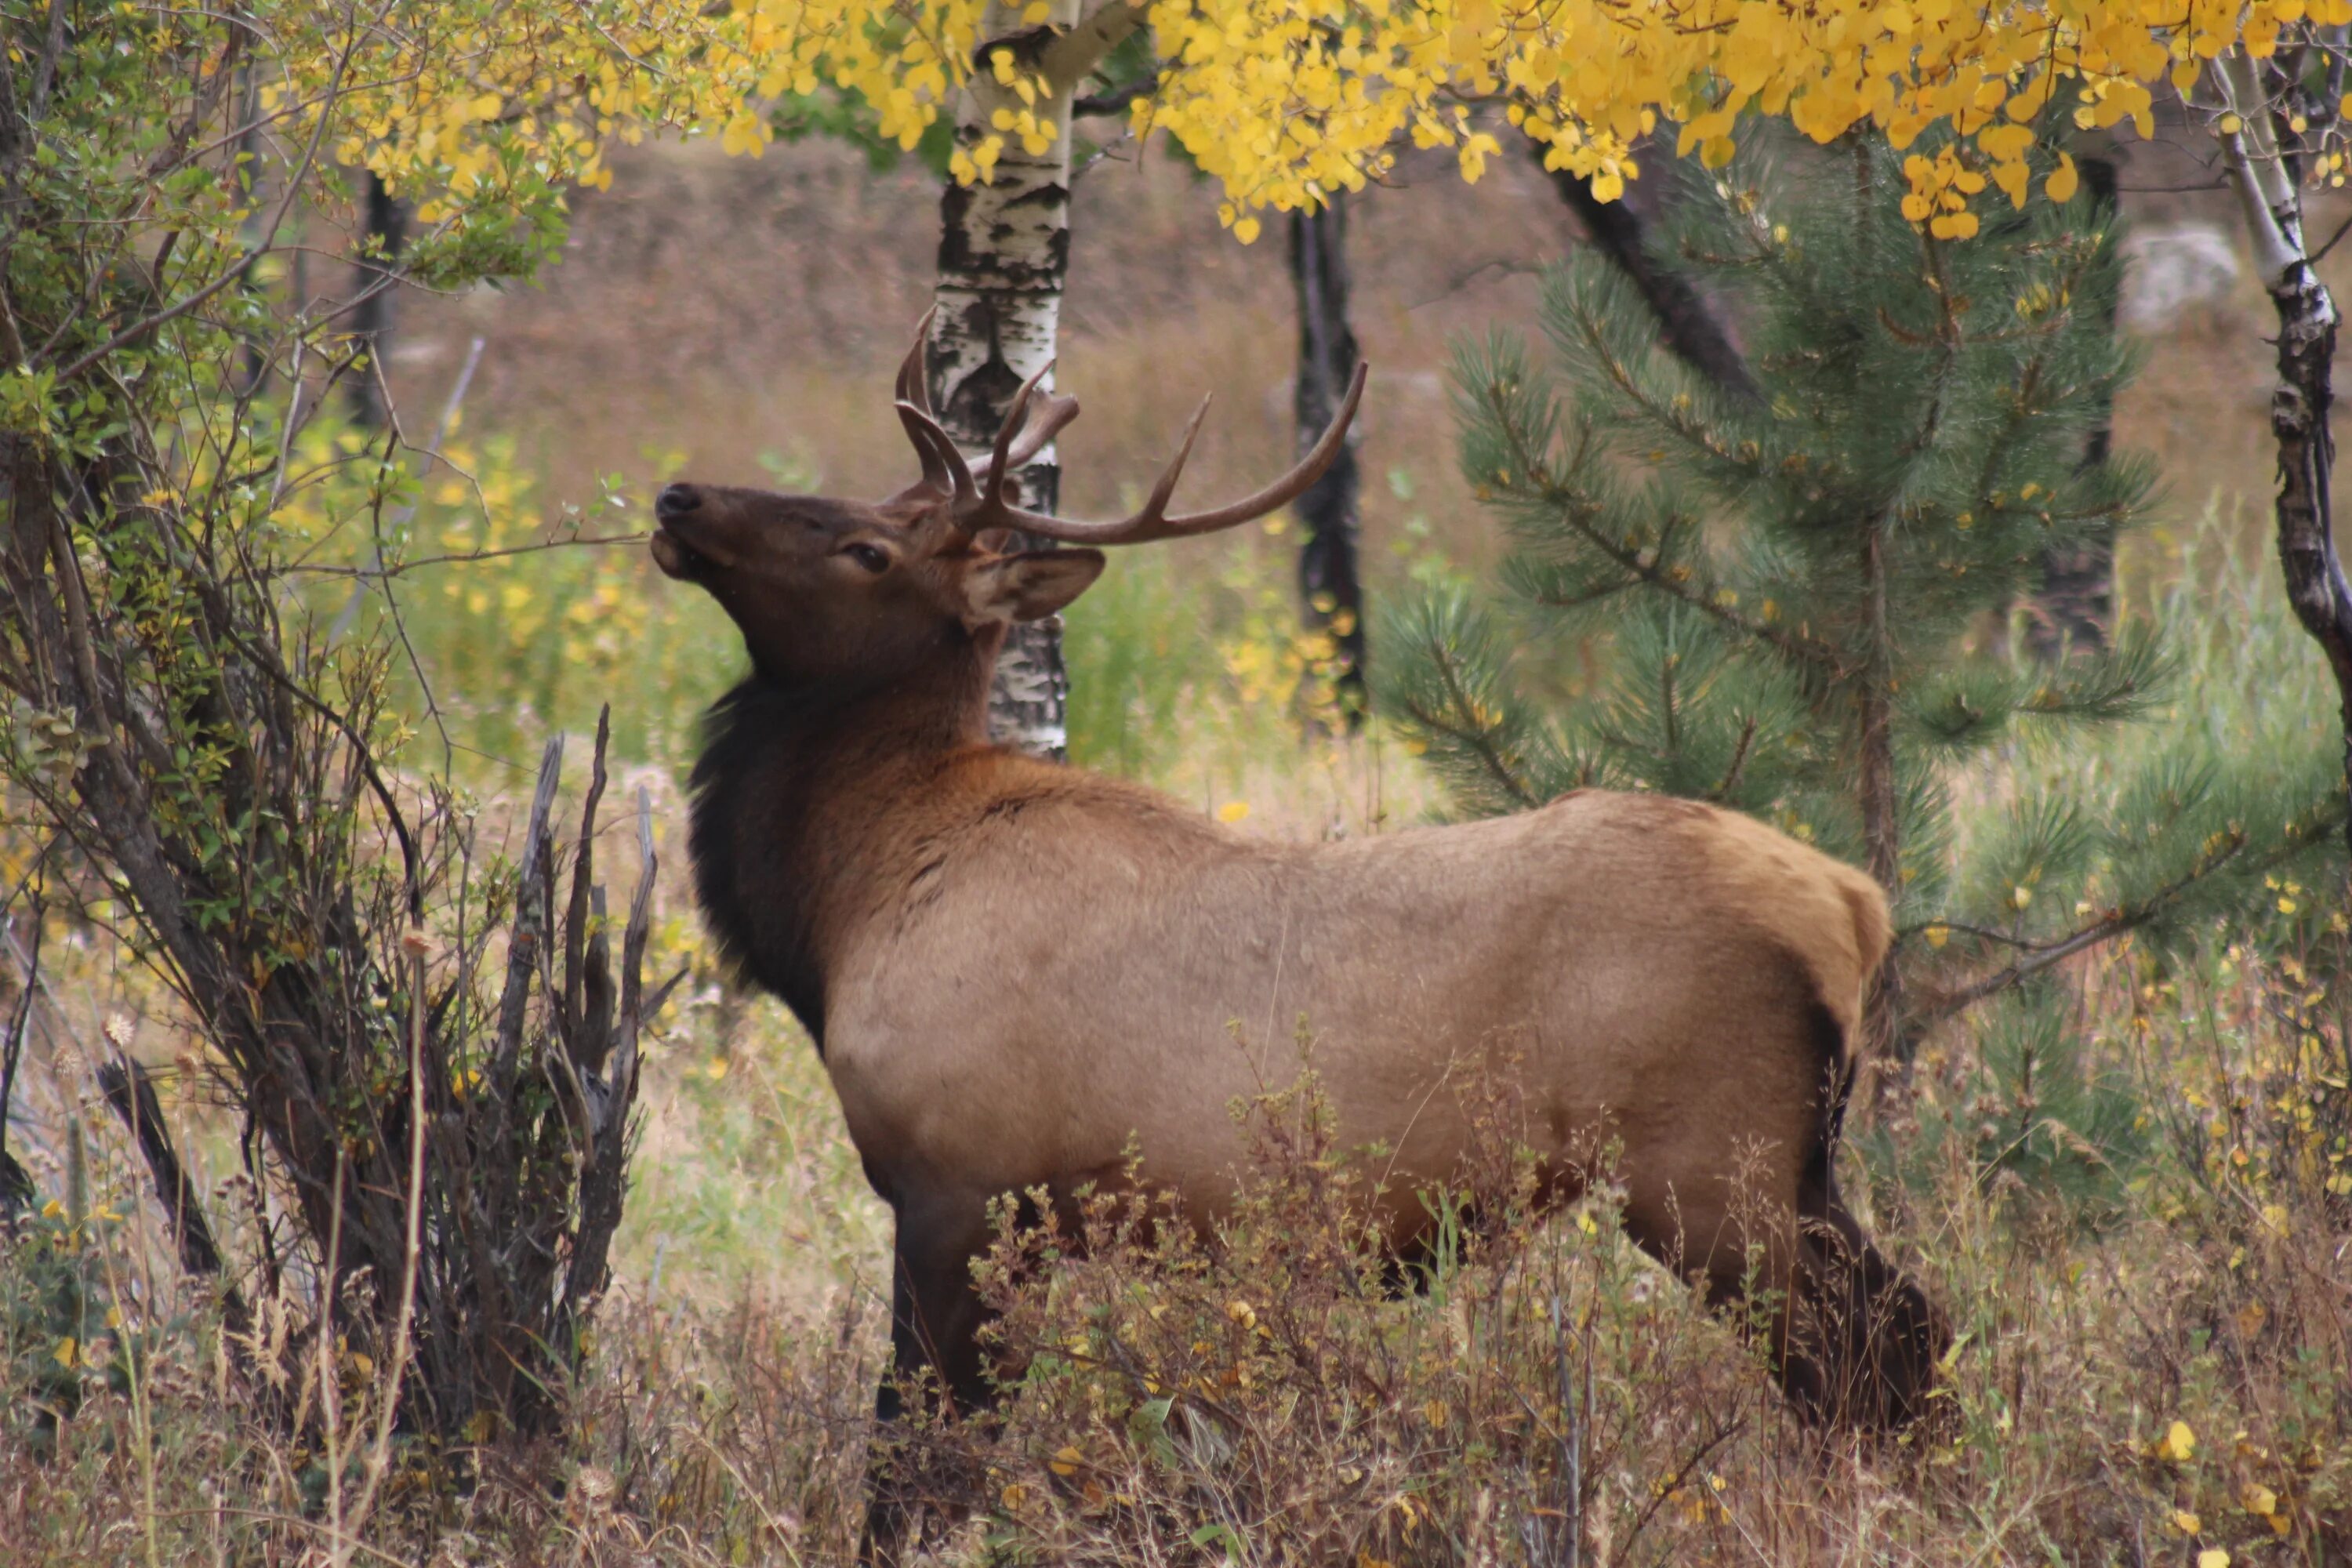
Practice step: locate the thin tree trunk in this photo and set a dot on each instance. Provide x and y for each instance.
(1005, 257)
(1687, 323)
(1329, 584)
(2076, 605)
(372, 318)
(1882, 827)
(2271, 200)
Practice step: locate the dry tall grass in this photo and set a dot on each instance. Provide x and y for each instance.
(2174, 1382)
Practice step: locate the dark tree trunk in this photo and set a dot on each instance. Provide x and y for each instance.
(1686, 325)
(371, 318)
(2076, 605)
(1330, 586)
(130, 1095)
(2316, 584)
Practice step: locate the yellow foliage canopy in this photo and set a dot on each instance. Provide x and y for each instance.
(1284, 101)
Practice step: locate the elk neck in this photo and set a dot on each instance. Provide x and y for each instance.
(808, 798)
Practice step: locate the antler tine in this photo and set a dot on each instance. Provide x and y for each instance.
(1155, 507)
(1152, 522)
(1051, 412)
(944, 468)
(1000, 460)
(914, 372)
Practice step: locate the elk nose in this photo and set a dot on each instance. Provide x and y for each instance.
(677, 500)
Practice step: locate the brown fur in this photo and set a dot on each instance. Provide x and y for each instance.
(1014, 968)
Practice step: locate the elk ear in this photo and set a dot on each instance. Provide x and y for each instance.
(1028, 587)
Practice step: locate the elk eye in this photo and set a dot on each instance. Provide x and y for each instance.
(872, 560)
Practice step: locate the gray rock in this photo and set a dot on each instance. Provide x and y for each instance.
(2172, 270)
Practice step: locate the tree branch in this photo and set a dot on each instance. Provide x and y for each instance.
(1070, 58)
(1686, 323)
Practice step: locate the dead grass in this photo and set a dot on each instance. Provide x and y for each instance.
(2178, 1383)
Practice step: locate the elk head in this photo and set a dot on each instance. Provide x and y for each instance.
(832, 591)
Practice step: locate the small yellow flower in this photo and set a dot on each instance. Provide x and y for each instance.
(1233, 811)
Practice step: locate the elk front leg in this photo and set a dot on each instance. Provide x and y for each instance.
(936, 1365)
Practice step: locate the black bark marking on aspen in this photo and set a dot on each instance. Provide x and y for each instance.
(957, 257)
(979, 399)
(1047, 196)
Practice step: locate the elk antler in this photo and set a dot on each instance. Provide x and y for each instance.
(945, 471)
(1152, 521)
(977, 492)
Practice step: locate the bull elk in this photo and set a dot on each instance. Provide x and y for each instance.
(1010, 968)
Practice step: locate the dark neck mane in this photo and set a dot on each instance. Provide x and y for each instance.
(789, 798)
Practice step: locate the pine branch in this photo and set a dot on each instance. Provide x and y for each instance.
(1685, 322)
(1477, 739)
(1577, 509)
(1722, 792)
(1674, 418)
(2036, 956)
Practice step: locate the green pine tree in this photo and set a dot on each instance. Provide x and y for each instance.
(1796, 606)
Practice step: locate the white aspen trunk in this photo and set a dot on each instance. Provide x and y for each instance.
(2271, 200)
(1004, 256)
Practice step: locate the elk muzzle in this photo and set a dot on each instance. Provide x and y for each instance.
(675, 511)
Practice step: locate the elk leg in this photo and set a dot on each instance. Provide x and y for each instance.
(935, 1364)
